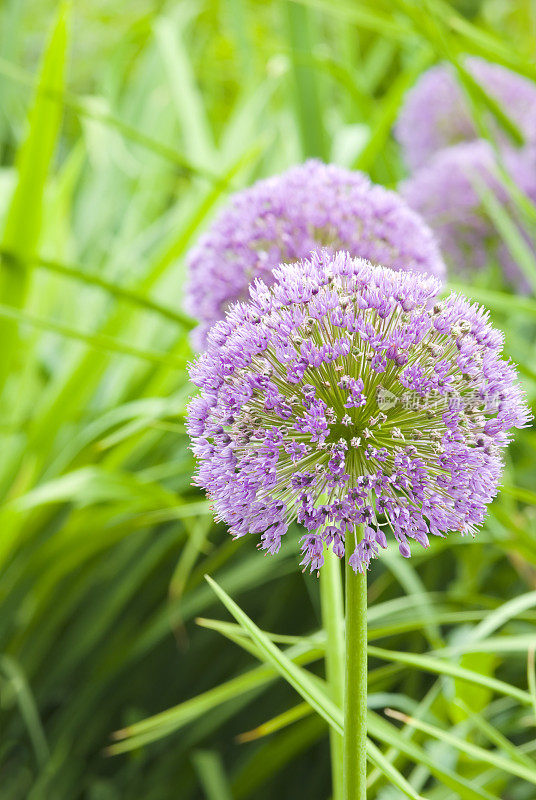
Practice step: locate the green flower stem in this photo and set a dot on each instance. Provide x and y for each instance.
(331, 600)
(355, 696)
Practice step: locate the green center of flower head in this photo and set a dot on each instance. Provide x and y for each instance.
(368, 397)
(343, 398)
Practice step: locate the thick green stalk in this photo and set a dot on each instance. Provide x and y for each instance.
(331, 600)
(355, 695)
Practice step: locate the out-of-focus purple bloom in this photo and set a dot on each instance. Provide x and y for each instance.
(285, 218)
(346, 398)
(436, 113)
(447, 193)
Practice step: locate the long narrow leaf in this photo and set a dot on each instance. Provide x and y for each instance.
(308, 688)
(23, 223)
(470, 749)
(442, 667)
(99, 341)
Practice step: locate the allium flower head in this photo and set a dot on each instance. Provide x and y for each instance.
(436, 113)
(447, 193)
(285, 218)
(342, 396)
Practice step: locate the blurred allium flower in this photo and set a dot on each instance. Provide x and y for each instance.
(285, 218)
(436, 113)
(342, 396)
(447, 193)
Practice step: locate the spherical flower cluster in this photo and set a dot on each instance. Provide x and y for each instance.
(436, 113)
(447, 192)
(347, 398)
(285, 218)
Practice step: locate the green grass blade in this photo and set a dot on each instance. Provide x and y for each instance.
(480, 97)
(115, 291)
(441, 667)
(531, 678)
(234, 632)
(209, 767)
(496, 644)
(23, 222)
(382, 125)
(296, 677)
(308, 688)
(276, 723)
(332, 606)
(175, 718)
(507, 228)
(499, 301)
(377, 758)
(309, 111)
(363, 17)
(98, 341)
(84, 108)
(275, 754)
(495, 736)
(28, 707)
(503, 614)
(493, 758)
(170, 33)
(387, 733)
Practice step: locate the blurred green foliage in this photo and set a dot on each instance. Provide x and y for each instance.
(107, 178)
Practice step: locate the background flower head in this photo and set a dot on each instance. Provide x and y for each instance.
(436, 113)
(447, 193)
(285, 218)
(342, 396)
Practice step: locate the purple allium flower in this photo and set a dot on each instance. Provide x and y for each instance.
(342, 396)
(286, 217)
(446, 192)
(436, 113)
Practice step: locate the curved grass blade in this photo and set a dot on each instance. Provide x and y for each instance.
(23, 222)
(171, 720)
(531, 679)
(505, 612)
(276, 723)
(299, 680)
(118, 292)
(438, 666)
(86, 108)
(500, 301)
(385, 732)
(509, 231)
(274, 754)
(98, 341)
(308, 688)
(28, 707)
(209, 767)
(495, 736)
(468, 748)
